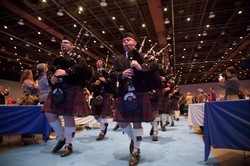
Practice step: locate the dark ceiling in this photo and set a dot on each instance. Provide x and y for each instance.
(199, 49)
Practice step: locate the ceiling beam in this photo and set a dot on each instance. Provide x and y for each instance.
(157, 17)
(38, 23)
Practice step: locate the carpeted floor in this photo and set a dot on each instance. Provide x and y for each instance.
(178, 146)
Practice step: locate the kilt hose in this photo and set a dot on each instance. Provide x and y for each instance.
(143, 113)
(74, 103)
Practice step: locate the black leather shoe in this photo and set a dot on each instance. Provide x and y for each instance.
(67, 150)
(177, 119)
(116, 127)
(155, 136)
(135, 158)
(131, 146)
(105, 130)
(58, 146)
(163, 128)
(100, 137)
(151, 131)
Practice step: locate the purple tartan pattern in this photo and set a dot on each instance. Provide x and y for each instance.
(105, 109)
(74, 103)
(164, 105)
(142, 114)
(174, 104)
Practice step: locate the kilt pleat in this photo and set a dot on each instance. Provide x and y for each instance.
(105, 109)
(157, 104)
(74, 103)
(174, 104)
(142, 114)
(164, 107)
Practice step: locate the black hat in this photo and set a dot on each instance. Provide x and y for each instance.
(129, 34)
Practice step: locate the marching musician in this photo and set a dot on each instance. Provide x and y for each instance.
(155, 93)
(70, 72)
(133, 100)
(167, 88)
(175, 96)
(100, 86)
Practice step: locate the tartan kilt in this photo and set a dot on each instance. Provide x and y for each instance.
(174, 104)
(157, 104)
(164, 107)
(105, 108)
(142, 114)
(74, 103)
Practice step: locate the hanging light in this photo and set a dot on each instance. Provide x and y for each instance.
(103, 3)
(20, 22)
(248, 28)
(60, 13)
(211, 15)
(204, 33)
(121, 28)
(168, 37)
(53, 39)
(166, 21)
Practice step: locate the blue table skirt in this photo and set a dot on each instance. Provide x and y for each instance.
(23, 120)
(227, 125)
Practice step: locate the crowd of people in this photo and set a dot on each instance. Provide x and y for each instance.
(134, 91)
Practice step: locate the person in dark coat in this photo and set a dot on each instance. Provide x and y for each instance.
(133, 100)
(100, 86)
(69, 74)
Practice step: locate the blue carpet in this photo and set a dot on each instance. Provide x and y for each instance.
(178, 146)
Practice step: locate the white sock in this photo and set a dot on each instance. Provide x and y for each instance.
(137, 137)
(168, 119)
(164, 119)
(70, 133)
(171, 117)
(128, 131)
(57, 127)
(155, 125)
(103, 120)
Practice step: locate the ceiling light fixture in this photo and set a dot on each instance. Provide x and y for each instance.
(60, 13)
(166, 21)
(168, 37)
(53, 39)
(20, 22)
(211, 15)
(121, 28)
(204, 33)
(103, 3)
(248, 28)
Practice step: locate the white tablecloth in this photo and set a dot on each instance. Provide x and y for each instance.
(196, 114)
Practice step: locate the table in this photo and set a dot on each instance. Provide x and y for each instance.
(196, 114)
(15, 119)
(227, 125)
